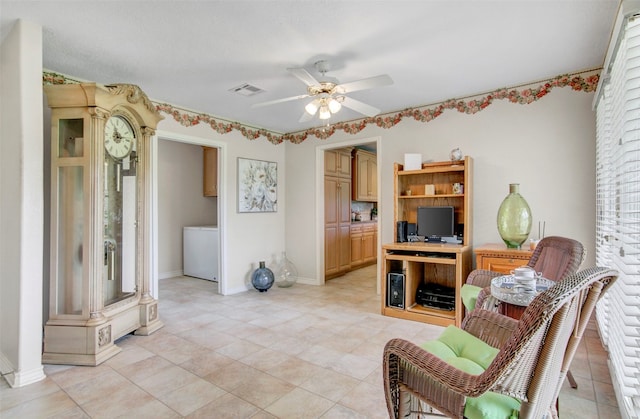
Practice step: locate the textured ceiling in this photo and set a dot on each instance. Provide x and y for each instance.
(190, 53)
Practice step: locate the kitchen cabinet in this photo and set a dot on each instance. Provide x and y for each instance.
(499, 258)
(337, 201)
(365, 176)
(337, 162)
(210, 171)
(337, 212)
(370, 243)
(364, 238)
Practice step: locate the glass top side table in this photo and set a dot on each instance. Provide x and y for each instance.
(508, 290)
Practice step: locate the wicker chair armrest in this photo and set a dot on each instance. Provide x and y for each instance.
(487, 301)
(489, 326)
(482, 278)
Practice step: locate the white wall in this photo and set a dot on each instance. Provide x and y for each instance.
(21, 211)
(180, 201)
(547, 146)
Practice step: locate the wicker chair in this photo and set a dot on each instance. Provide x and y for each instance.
(532, 360)
(555, 257)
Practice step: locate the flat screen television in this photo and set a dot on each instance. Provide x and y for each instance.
(434, 223)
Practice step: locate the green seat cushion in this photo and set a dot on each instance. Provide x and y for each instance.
(457, 347)
(469, 294)
(466, 352)
(491, 406)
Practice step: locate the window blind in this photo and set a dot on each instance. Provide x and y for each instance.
(618, 213)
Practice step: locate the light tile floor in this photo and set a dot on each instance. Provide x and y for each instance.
(299, 352)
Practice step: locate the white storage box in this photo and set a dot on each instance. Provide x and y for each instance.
(412, 161)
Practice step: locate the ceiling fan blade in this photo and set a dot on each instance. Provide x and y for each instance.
(304, 75)
(368, 83)
(358, 106)
(305, 117)
(273, 102)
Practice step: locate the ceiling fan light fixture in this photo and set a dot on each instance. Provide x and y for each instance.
(325, 113)
(334, 105)
(312, 107)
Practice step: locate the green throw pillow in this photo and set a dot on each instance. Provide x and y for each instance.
(469, 294)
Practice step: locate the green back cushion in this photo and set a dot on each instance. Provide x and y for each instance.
(464, 351)
(469, 294)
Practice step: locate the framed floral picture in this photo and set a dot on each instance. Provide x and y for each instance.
(257, 186)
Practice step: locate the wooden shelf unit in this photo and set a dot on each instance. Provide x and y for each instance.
(435, 263)
(442, 264)
(409, 192)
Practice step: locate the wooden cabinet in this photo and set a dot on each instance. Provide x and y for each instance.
(365, 176)
(210, 171)
(337, 212)
(444, 265)
(499, 258)
(370, 243)
(357, 257)
(338, 162)
(363, 244)
(337, 238)
(420, 264)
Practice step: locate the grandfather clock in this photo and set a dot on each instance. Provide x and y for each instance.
(99, 278)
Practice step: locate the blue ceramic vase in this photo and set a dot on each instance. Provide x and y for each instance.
(262, 278)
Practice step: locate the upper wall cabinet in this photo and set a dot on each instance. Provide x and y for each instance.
(365, 176)
(338, 162)
(210, 171)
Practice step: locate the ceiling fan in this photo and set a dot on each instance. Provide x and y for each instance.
(328, 95)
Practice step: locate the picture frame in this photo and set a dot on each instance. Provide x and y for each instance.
(257, 185)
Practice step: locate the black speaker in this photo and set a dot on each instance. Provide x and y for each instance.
(401, 232)
(395, 290)
(412, 229)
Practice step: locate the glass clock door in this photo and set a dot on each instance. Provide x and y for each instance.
(119, 265)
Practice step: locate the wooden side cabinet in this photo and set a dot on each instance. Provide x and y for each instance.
(210, 171)
(499, 258)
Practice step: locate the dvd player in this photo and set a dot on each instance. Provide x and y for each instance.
(436, 296)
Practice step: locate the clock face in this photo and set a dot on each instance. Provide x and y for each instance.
(118, 137)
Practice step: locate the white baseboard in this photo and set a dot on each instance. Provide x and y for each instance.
(308, 281)
(5, 365)
(170, 274)
(20, 378)
(237, 290)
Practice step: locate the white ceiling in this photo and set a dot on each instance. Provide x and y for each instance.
(190, 53)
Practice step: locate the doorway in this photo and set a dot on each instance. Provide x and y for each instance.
(178, 201)
(371, 145)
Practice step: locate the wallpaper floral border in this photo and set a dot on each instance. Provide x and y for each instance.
(471, 105)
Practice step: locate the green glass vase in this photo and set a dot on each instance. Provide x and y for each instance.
(514, 218)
